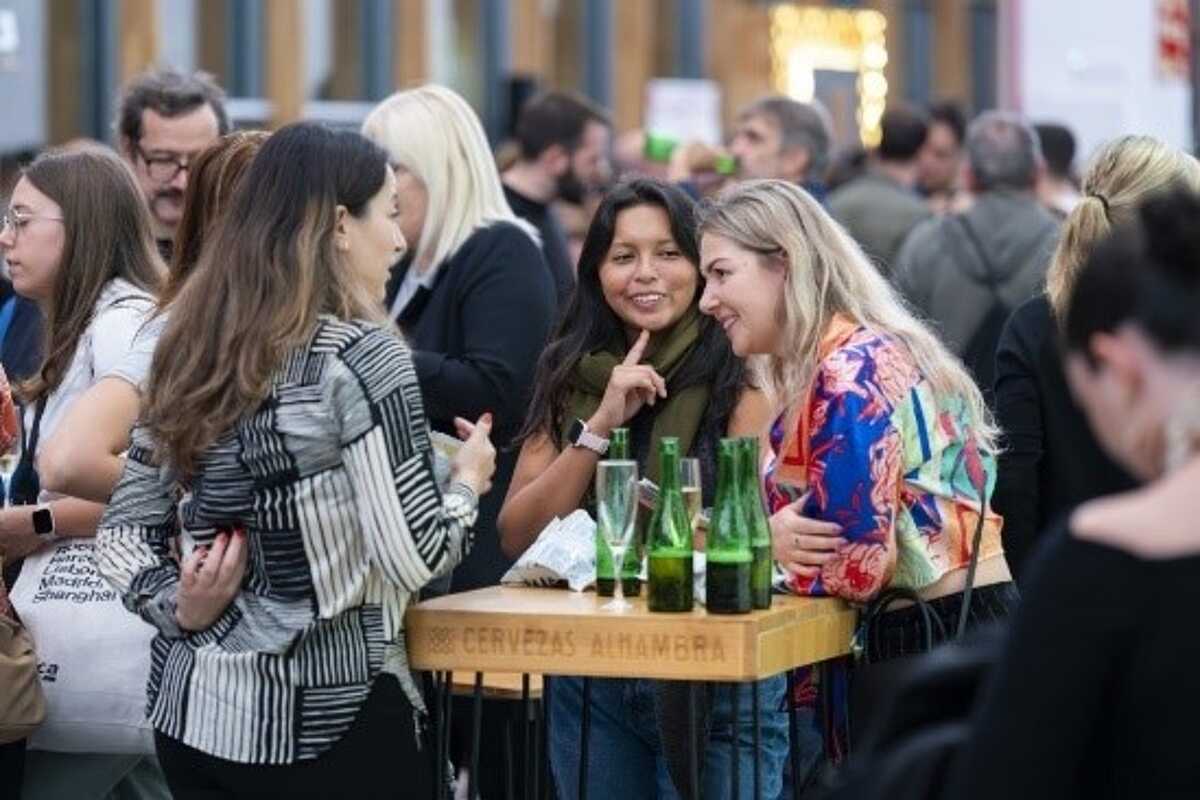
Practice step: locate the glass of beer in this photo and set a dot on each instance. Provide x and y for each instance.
(616, 512)
(689, 486)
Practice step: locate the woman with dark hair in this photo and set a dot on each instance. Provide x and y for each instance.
(85, 456)
(283, 418)
(78, 243)
(633, 351)
(1105, 634)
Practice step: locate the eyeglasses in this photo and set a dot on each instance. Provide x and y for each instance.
(14, 221)
(163, 169)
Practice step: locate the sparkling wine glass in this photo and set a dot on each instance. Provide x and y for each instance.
(690, 488)
(616, 512)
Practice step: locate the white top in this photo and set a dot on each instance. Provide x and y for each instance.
(117, 343)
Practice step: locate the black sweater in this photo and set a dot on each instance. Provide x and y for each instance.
(1097, 695)
(1051, 462)
(554, 241)
(476, 337)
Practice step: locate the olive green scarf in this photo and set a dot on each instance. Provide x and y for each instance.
(681, 412)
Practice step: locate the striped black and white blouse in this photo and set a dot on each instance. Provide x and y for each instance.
(332, 479)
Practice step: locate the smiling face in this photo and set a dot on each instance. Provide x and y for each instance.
(373, 241)
(33, 242)
(743, 291)
(645, 278)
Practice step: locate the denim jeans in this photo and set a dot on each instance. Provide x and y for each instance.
(625, 753)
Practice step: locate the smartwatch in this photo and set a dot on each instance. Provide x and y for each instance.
(579, 436)
(43, 522)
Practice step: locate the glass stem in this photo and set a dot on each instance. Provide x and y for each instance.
(618, 554)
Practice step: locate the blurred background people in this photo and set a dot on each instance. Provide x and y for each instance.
(1058, 186)
(881, 207)
(939, 167)
(563, 145)
(1051, 461)
(166, 117)
(1098, 635)
(966, 272)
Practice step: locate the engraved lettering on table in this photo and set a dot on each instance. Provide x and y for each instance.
(512, 642)
(697, 648)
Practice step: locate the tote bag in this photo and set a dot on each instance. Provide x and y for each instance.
(93, 654)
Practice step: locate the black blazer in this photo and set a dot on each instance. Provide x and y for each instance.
(1051, 461)
(476, 336)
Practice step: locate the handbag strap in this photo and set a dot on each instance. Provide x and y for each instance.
(971, 567)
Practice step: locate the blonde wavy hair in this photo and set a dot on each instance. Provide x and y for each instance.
(1120, 176)
(433, 133)
(828, 274)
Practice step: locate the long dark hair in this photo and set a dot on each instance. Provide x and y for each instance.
(589, 324)
(267, 272)
(107, 236)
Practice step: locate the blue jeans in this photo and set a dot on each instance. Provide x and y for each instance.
(625, 752)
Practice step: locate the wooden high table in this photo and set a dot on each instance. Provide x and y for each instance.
(506, 629)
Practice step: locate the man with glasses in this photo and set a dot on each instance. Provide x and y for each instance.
(165, 119)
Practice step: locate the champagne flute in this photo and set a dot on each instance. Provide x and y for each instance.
(616, 512)
(690, 487)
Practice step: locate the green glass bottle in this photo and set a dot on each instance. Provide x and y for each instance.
(658, 148)
(618, 450)
(727, 548)
(763, 564)
(669, 538)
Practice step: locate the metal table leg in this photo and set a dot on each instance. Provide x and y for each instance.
(476, 722)
(586, 723)
(693, 749)
(526, 756)
(444, 756)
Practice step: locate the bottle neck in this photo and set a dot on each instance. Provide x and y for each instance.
(668, 475)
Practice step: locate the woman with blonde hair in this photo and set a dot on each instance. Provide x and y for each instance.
(473, 295)
(1050, 461)
(84, 457)
(882, 450)
(475, 300)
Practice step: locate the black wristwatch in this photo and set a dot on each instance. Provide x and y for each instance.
(43, 522)
(579, 436)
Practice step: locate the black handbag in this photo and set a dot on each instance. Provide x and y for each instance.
(873, 682)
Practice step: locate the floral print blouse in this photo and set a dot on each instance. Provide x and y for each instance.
(877, 453)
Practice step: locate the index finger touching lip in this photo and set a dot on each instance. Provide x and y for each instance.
(634, 355)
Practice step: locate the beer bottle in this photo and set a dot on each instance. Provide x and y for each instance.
(762, 563)
(727, 579)
(669, 539)
(618, 450)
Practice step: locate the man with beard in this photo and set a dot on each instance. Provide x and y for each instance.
(564, 145)
(165, 119)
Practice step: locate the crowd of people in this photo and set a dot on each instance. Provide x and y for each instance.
(974, 375)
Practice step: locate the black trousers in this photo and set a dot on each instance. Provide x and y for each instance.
(377, 758)
(902, 632)
(12, 769)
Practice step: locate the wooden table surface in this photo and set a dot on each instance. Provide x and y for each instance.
(560, 632)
